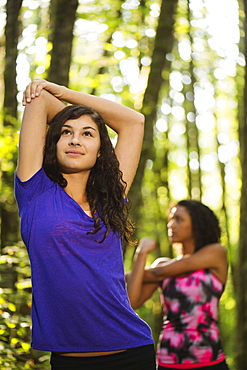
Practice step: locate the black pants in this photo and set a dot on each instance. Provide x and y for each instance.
(140, 358)
(220, 366)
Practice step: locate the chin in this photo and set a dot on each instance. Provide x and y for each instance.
(174, 240)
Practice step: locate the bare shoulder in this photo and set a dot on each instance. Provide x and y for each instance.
(222, 250)
(218, 258)
(215, 249)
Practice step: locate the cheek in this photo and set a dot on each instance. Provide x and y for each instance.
(58, 147)
(62, 142)
(59, 143)
(189, 230)
(96, 149)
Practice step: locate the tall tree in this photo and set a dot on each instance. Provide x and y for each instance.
(9, 223)
(242, 250)
(194, 179)
(63, 15)
(162, 46)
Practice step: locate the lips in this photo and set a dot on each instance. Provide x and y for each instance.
(170, 232)
(74, 152)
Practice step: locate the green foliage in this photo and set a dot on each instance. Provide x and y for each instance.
(8, 158)
(15, 319)
(227, 323)
(112, 51)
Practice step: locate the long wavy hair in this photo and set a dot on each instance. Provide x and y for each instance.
(205, 224)
(105, 187)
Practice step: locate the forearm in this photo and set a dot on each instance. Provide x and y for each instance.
(33, 132)
(115, 115)
(127, 123)
(52, 105)
(151, 275)
(135, 279)
(176, 267)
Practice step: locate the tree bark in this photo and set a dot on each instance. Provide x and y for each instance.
(162, 46)
(9, 218)
(12, 32)
(242, 250)
(63, 16)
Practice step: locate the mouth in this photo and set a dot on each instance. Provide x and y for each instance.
(74, 153)
(170, 232)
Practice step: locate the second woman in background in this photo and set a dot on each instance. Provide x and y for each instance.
(191, 287)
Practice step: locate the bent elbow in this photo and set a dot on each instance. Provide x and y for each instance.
(141, 120)
(135, 305)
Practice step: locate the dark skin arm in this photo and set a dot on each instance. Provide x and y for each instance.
(212, 257)
(143, 281)
(139, 291)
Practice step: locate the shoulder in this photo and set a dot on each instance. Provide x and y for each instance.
(214, 249)
(216, 256)
(32, 188)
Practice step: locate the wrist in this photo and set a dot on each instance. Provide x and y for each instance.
(63, 93)
(141, 252)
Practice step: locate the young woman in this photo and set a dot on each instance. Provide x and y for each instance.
(71, 186)
(191, 286)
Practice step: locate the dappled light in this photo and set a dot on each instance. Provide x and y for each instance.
(185, 71)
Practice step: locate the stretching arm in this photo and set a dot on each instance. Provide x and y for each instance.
(212, 257)
(33, 133)
(127, 123)
(138, 291)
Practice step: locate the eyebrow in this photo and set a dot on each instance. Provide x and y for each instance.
(84, 128)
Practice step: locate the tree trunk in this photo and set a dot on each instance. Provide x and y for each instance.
(9, 218)
(192, 130)
(12, 32)
(162, 46)
(63, 15)
(242, 255)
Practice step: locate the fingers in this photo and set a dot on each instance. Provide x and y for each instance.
(149, 242)
(146, 245)
(32, 91)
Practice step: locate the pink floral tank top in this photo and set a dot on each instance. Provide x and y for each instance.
(190, 332)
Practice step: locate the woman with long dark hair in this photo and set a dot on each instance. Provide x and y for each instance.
(191, 286)
(71, 187)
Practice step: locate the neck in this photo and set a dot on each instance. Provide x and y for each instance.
(188, 248)
(76, 188)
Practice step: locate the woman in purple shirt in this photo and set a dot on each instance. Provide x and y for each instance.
(71, 186)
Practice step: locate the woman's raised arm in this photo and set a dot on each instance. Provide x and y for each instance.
(33, 131)
(126, 122)
(139, 292)
(212, 257)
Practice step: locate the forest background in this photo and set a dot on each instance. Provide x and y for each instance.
(183, 65)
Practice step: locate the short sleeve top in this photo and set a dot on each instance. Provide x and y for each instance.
(80, 302)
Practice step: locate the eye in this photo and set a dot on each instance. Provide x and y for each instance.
(87, 133)
(65, 132)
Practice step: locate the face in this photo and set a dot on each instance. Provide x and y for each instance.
(78, 146)
(180, 226)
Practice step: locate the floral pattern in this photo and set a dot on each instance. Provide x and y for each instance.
(190, 332)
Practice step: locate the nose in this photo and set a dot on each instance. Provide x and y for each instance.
(74, 141)
(170, 224)
(170, 227)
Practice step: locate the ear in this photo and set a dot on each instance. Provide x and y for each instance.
(99, 154)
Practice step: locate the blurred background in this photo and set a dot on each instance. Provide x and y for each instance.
(182, 63)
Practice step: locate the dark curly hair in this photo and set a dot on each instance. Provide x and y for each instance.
(205, 224)
(105, 187)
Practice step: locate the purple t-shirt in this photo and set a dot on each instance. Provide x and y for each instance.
(80, 303)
